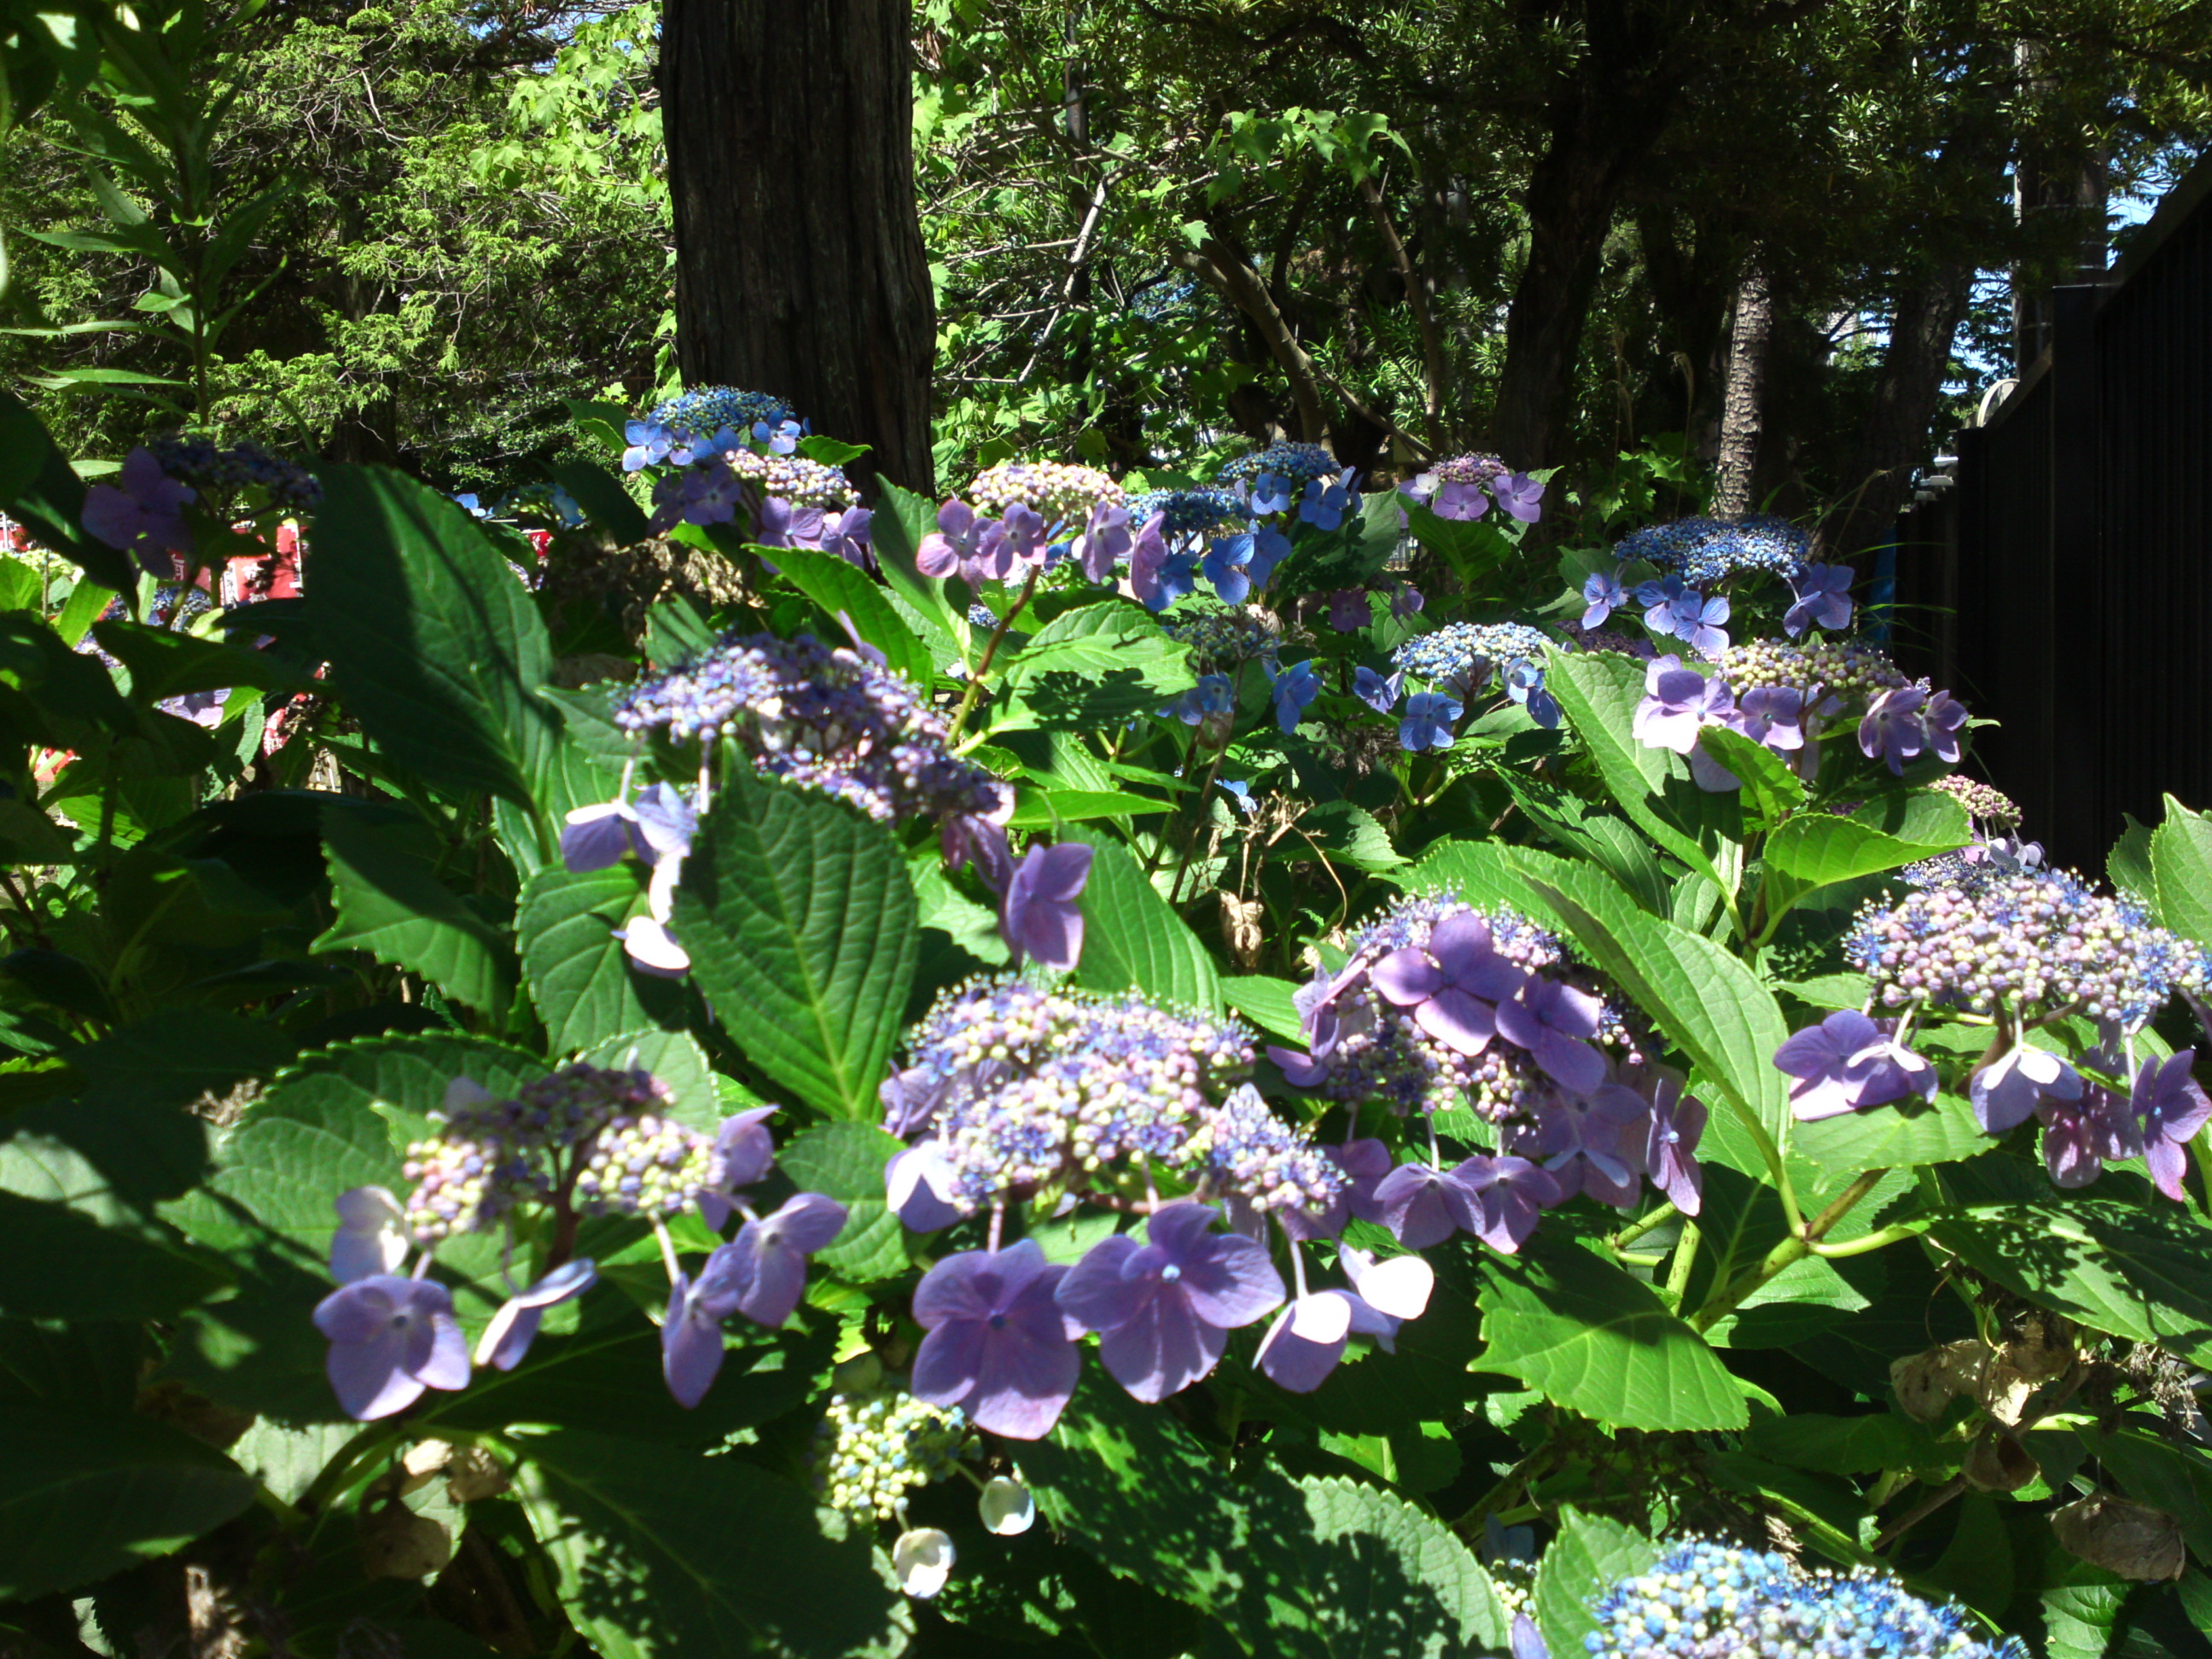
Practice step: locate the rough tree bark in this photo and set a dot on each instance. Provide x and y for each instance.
(1742, 405)
(1604, 121)
(800, 270)
(1894, 439)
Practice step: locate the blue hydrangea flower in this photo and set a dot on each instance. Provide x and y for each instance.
(1602, 594)
(1214, 694)
(1377, 693)
(1326, 503)
(1296, 687)
(1428, 721)
(1226, 564)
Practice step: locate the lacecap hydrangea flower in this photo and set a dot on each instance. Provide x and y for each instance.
(1705, 1600)
(1462, 657)
(2035, 942)
(1703, 551)
(1291, 464)
(816, 717)
(1011, 1090)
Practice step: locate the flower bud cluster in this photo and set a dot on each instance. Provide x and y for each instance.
(1702, 1599)
(488, 1156)
(1469, 469)
(1703, 551)
(1982, 802)
(1059, 492)
(818, 718)
(1221, 638)
(220, 470)
(1184, 513)
(643, 1164)
(1466, 653)
(1023, 1089)
(706, 410)
(1297, 464)
(1828, 674)
(795, 478)
(2036, 940)
(871, 1449)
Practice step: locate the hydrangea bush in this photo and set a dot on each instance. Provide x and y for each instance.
(1184, 1063)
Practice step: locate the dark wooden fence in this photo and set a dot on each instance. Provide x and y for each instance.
(2063, 584)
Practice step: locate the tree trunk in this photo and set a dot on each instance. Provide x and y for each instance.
(1604, 122)
(1894, 439)
(1746, 390)
(800, 270)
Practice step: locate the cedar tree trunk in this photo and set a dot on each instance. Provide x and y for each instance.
(799, 268)
(1894, 438)
(1747, 391)
(1604, 121)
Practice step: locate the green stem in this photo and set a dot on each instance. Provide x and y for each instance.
(1686, 1258)
(338, 1472)
(990, 651)
(1881, 1239)
(1789, 1252)
(1636, 1230)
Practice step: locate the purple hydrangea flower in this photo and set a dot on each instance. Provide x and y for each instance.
(1520, 495)
(1105, 540)
(1823, 596)
(691, 1338)
(1406, 603)
(1849, 1062)
(371, 1240)
(1596, 1143)
(1428, 721)
(1367, 1162)
(1677, 703)
(145, 516)
(511, 1331)
(2008, 1089)
(762, 1272)
(1673, 609)
(922, 1186)
(1773, 715)
(998, 1346)
(1307, 1339)
(1603, 594)
(1554, 1022)
(1451, 985)
(390, 1339)
(962, 543)
(1296, 687)
(970, 836)
(1670, 1163)
(1512, 1193)
(1458, 499)
(1148, 554)
(1377, 693)
(1348, 610)
(597, 837)
(2081, 1137)
(1904, 723)
(745, 1151)
(1422, 1206)
(2169, 1108)
(1163, 1310)
(1040, 920)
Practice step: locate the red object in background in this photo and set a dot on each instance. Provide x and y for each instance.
(541, 539)
(249, 580)
(19, 540)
